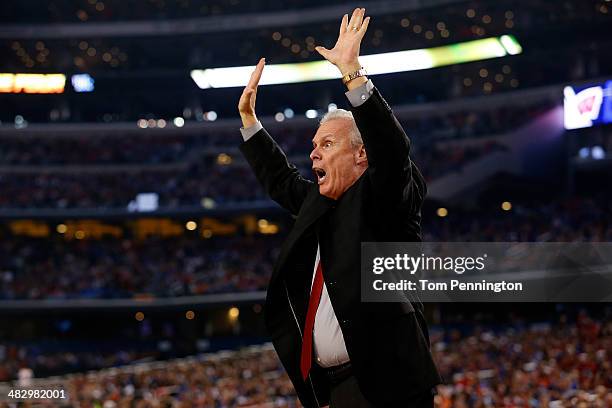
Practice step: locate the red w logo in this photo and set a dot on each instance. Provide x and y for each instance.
(586, 105)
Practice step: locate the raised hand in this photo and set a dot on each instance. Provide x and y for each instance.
(345, 54)
(246, 104)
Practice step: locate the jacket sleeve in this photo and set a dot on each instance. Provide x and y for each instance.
(280, 179)
(392, 172)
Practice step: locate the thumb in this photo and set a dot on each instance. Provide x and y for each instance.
(323, 51)
(244, 103)
(246, 94)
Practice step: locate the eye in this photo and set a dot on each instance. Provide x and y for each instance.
(327, 144)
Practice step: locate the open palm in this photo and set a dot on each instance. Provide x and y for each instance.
(246, 104)
(345, 54)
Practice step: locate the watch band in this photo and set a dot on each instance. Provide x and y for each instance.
(352, 75)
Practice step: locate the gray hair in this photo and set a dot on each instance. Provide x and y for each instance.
(354, 133)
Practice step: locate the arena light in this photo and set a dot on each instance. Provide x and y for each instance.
(311, 114)
(82, 83)
(385, 63)
(179, 122)
(598, 152)
(510, 44)
(32, 83)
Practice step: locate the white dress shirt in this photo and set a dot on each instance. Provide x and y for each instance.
(329, 346)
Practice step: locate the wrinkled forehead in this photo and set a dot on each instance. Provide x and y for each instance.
(337, 128)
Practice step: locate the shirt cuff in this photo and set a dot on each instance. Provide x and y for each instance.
(358, 96)
(247, 133)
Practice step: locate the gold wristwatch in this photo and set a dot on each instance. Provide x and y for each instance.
(352, 75)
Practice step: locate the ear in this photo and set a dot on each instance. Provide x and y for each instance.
(361, 155)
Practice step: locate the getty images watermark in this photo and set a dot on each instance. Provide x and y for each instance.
(458, 265)
(486, 272)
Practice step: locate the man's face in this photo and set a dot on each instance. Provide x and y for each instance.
(335, 161)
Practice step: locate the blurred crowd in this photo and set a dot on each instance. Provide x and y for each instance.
(57, 268)
(542, 365)
(24, 362)
(174, 187)
(251, 377)
(125, 268)
(568, 220)
(183, 170)
(438, 160)
(186, 185)
(248, 378)
(470, 124)
(554, 363)
(50, 150)
(168, 147)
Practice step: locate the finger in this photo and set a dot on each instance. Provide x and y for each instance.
(323, 51)
(364, 26)
(353, 20)
(344, 24)
(359, 18)
(256, 75)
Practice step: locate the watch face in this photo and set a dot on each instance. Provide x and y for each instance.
(352, 75)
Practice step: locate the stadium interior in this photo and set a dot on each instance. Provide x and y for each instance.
(136, 243)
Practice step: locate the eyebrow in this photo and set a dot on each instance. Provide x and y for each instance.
(326, 137)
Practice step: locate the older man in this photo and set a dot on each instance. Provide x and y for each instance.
(336, 349)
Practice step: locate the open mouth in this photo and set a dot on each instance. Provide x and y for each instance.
(320, 173)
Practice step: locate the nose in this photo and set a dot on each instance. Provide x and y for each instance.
(315, 154)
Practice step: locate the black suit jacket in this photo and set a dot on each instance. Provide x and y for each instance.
(388, 343)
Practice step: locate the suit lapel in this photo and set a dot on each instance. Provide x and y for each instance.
(313, 208)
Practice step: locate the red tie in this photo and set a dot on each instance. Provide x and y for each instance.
(313, 304)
